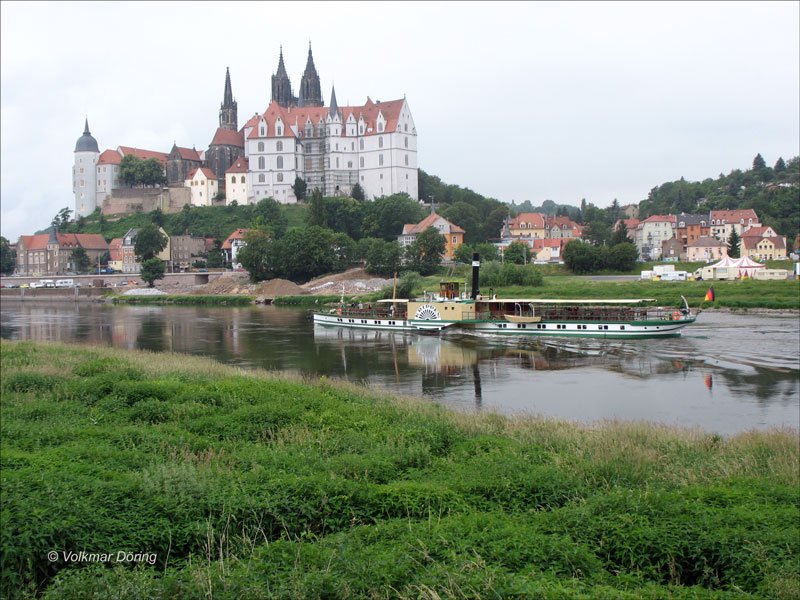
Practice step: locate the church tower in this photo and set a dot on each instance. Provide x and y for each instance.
(281, 86)
(309, 84)
(227, 110)
(84, 174)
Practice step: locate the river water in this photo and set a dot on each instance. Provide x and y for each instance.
(727, 373)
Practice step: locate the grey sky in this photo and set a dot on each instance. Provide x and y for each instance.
(522, 101)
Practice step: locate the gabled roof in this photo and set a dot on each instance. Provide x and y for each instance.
(143, 154)
(536, 221)
(238, 234)
(759, 231)
(751, 241)
(735, 216)
(226, 137)
(188, 153)
(541, 243)
(34, 242)
(430, 221)
(242, 165)
(109, 157)
(115, 249)
(659, 219)
(208, 173)
(297, 116)
(691, 219)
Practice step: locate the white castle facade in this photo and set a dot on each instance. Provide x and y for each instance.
(331, 148)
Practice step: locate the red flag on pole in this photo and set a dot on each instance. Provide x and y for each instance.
(710, 294)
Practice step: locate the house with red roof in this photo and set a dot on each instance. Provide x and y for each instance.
(48, 254)
(202, 184)
(651, 232)
(453, 234)
(232, 244)
(762, 243)
(237, 182)
(724, 222)
(526, 225)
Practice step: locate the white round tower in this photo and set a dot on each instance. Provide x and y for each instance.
(84, 174)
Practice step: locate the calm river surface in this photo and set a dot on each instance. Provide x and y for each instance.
(727, 373)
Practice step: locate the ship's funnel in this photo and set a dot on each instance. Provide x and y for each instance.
(476, 267)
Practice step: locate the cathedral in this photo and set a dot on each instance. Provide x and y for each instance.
(331, 148)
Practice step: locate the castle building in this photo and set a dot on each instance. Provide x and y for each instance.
(331, 148)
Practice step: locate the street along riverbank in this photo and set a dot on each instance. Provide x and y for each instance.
(246, 484)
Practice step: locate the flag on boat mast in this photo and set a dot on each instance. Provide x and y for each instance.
(709, 295)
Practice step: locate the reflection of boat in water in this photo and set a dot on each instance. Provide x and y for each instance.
(450, 309)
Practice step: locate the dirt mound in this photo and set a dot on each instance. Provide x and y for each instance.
(351, 282)
(278, 287)
(228, 283)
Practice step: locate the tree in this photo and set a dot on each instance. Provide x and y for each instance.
(734, 241)
(130, 170)
(385, 217)
(384, 258)
(517, 253)
(151, 173)
(216, 257)
(317, 214)
(780, 166)
(299, 188)
(620, 235)
(272, 215)
(303, 254)
(149, 242)
(425, 252)
(580, 257)
(759, 163)
(8, 257)
(80, 260)
(151, 270)
(357, 193)
(493, 224)
(622, 257)
(157, 217)
(61, 219)
(256, 256)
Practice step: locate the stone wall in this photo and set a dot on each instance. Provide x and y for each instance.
(132, 200)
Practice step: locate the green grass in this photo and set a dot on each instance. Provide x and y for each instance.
(186, 300)
(252, 485)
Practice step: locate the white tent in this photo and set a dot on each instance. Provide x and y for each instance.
(746, 265)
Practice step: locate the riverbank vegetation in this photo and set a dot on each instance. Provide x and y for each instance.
(250, 485)
(186, 300)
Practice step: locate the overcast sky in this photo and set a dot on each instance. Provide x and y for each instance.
(517, 101)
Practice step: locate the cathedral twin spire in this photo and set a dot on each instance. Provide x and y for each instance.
(309, 94)
(228, 109)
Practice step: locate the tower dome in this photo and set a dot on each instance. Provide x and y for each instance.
(86, 143)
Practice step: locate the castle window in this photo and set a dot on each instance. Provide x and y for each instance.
(260, 146)
(241, 179)
(380, 142)
(406, 159)
(279, 146)
(261, 162)
(280, 130)
(280, 162)
(362, 162)
(406, 141)
(263, 131)
(261, 178)
(405, 127)
(380, 159)
(361, 144)
(280, 176)
(233, 178)
(337, 162)
(349, 164)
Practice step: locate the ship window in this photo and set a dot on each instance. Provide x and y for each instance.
(622, 326)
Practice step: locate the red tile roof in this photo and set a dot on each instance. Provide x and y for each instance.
(660, 219)
(707, 242)
(298, 116)
(143, 154)
(226, 137)
(236, 235)
(735, 216)
(240, 166)
(750, 241)
(109, 157)
(412, 229)
(539, 243)
(188, 154)
(536, 221)
(115, 249)
(207, 172)
(34, 242)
